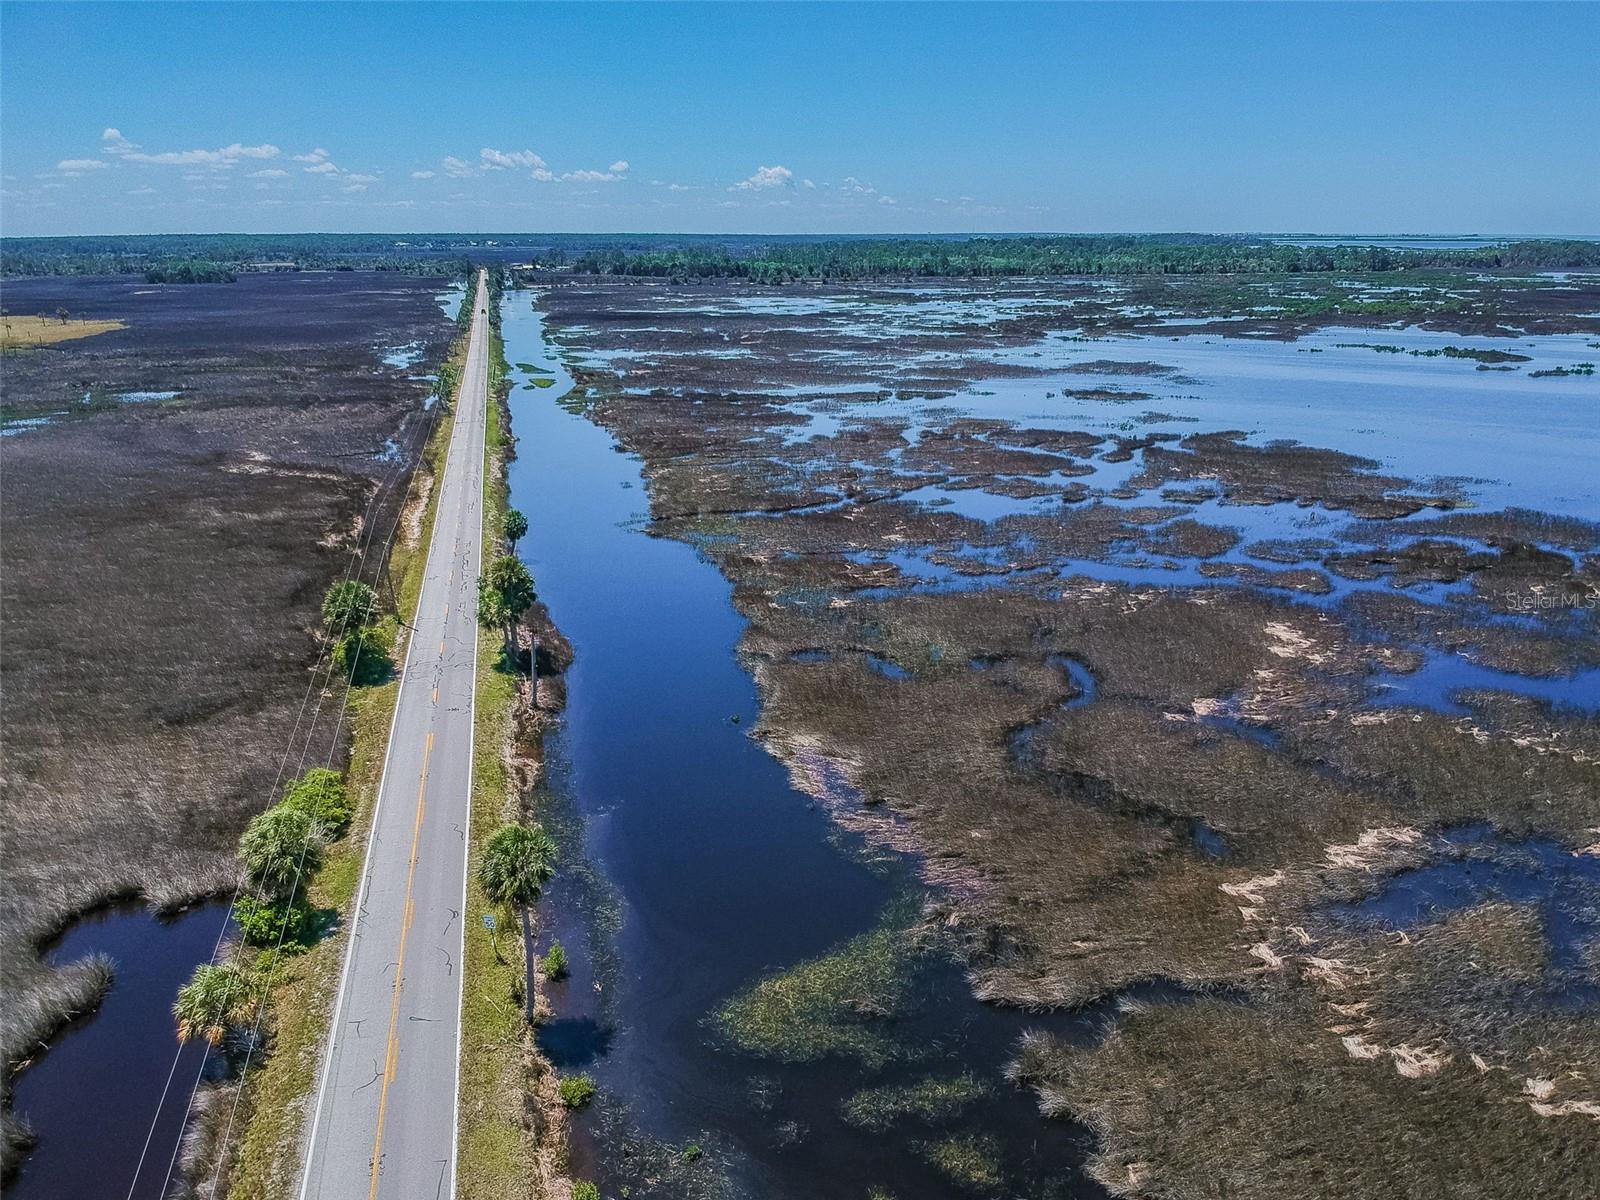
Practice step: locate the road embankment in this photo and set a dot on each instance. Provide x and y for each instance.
(512, 1124)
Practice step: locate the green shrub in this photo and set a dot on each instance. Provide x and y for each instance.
(577, 1091)
(263, 922)
(347, 606)
(582, 1189)
(554, 962)
(321, 795)
(514, 526)
(364, 654)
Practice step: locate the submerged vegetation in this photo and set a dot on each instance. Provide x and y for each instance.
(932, 1100)
(843, 1003)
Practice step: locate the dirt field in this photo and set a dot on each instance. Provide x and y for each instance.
(177, 494)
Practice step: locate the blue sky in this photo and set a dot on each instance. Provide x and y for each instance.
(128, 118)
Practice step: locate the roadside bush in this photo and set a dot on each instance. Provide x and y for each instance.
(263, 922)
(364, 655)
(348, 605)
(554, 963)
(582, 1189)
(577, 1090)
(514, 526)
(277, 846)
(322, 796)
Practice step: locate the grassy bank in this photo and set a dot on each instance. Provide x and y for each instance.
(276, 1096)
(508, 1145)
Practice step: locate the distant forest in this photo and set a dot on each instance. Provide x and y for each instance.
(1151, 254)
(209, 258)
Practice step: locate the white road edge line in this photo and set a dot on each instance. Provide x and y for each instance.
(472, 758)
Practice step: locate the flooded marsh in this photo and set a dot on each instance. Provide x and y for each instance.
(1132, 653)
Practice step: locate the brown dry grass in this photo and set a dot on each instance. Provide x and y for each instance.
(21, 333)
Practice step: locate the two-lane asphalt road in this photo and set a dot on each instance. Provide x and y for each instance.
(385, 1116)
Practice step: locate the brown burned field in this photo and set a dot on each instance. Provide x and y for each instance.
(177, 494)
(1263, 666)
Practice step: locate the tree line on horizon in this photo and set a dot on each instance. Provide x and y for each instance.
(1098, 255)
(760, 259)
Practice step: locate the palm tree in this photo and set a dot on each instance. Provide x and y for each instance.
(518, 861)
(278, 846)
(514, 526)
(212, 1001)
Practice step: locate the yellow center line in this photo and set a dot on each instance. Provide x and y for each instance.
(391, 1059)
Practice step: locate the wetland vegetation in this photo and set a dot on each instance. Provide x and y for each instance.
(1125, 677)
(140, 746)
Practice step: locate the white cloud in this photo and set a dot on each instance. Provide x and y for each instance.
(316, 156)
(887, 200)
(590, 177)
(543, 175)
(321, 168)
(806, 183)
(620, 167)
(353, 177)
(458, 169)
(677, 187)
(852, 184)
(500, 160)
(227, 156)
(422, 174)
(766, 177)
(142, 191)
(76, 166)
(354, 187)
(269, 173)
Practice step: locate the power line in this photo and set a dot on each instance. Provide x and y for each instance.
(354, 568)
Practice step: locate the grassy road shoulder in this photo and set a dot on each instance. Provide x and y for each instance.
(511, 1139)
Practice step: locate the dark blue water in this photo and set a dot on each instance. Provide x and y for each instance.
(1442, 676)
(95, 1096)
(1479, 866)
(711, 869)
